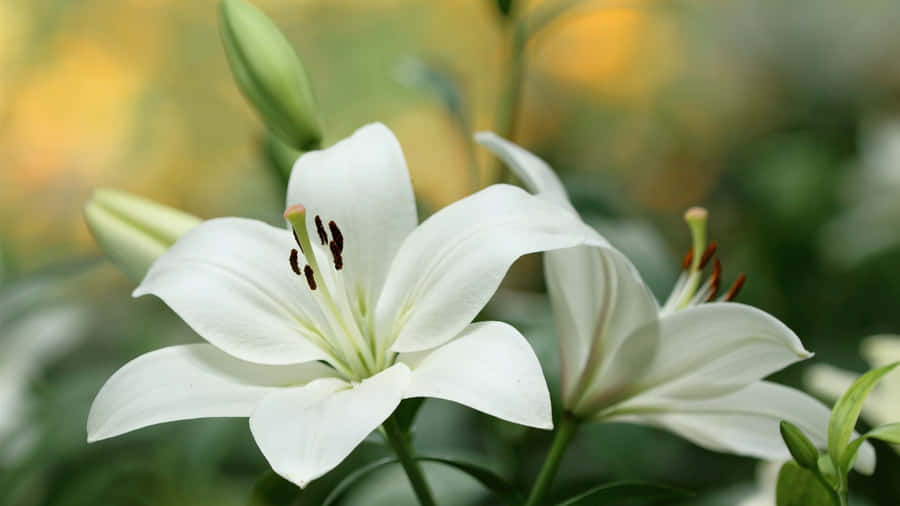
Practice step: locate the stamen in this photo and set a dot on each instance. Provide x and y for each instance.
(336, 255)
(323, 237)
(715, 281)
(336, 235)
(295, 266)
(710, 251)
(735, 288)
(296, 239)
(310, 279)
(687, 260)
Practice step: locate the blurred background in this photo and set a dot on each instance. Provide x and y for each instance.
(783, 118)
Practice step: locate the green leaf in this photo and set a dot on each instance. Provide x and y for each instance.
(616, 493)
(491, 480)
(889, 433)
(355, 477)
(486, 477)
(846, 413)
(803, 451)
(800, 487)
(273, 490)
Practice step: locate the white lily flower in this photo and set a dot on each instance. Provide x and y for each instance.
(883, 403)
(689, 366)
(318, 335)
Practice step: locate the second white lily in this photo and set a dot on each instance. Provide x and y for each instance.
(688, 366)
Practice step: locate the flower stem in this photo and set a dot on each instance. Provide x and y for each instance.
(567, 428)
(402, 445)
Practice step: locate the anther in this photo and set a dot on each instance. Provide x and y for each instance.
(310, 279)
(715, 281)
(687, 260)
(323, 237)
(295, 266)
(336, 235)
(735, 288)
(296, 239)
(710, 251)
(336, 255)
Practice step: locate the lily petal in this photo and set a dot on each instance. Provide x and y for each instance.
(600, 301)
(362, 184)
(185, 382)
(535, 174)
(305, 432)
(450, 266)
(746, 422)
(489, 367)
(716, 348)
(230, 280)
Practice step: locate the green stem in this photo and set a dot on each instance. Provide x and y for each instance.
(400, 442)
(567, 428)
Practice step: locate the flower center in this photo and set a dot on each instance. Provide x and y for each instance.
(690, 289)
(344, 330)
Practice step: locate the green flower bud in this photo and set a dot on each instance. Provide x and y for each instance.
(803, 451)
(134, 231)
(269, 73)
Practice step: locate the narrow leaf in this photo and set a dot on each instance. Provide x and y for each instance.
(846, 411)
(800, 487)
(889, 433)
(615, 493)
(355, 477)
(491, 480)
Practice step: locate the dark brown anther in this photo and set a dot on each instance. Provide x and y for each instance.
(336, 235)
(735, 288)
(310, 279)
(687, 260)
(715, 281)
(295, 265)
(297, 239)
(323, 237)
(336, 255)
(710, 251)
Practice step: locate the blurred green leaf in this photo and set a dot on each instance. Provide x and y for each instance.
(846, 413)
(800, 487)
(491, 480)
(273, 490)
(354, 478)
(615, 493)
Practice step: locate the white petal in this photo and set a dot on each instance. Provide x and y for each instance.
(746, 422)
(449, 267)
(363, 185)
(599, 301)
(185, 382)
(489, 367)
(230, 280)
(716, 348)
(535, 174)
(305, 432)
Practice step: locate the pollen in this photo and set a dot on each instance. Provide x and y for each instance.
(736, 287)
(323, 236)
(310, 278)
(336, 255)
(295, 265)
(336, 235)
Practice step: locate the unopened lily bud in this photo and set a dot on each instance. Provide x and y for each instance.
(801, 448)
(134, 231)
(269, 73)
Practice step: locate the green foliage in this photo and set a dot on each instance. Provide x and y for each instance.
(273, 490)
(801, 487)
(846, 413)
(626, 492)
